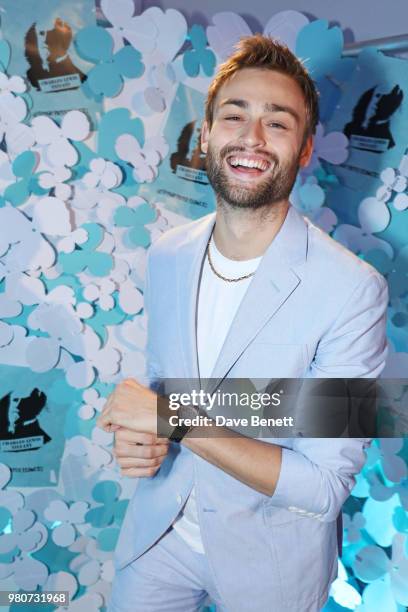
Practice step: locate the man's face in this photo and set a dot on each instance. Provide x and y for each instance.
(254, 147)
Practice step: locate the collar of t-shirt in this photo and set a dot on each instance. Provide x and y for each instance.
(232, 268)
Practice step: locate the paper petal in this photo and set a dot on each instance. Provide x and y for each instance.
(6, 334)
(80, 375)
(400, 201)
(285, 26)
(75, 125)
(118, 12)
(130, 298)
(227, 30)
(89, 573)
(45, 130)
(62, 153)
(63, 535)
(43, 354)
(373, 215)
(51, 216)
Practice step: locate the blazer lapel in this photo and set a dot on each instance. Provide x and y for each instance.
(272, 284)
(189, 265)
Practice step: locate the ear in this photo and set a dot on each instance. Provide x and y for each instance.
(205, 134)
(306, 153)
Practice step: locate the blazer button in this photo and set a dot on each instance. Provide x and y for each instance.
(179, 499)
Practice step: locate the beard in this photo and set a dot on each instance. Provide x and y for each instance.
(274, 188)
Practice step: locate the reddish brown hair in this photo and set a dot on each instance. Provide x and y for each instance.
(260, 51)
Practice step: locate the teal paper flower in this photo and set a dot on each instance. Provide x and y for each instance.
(111, 510)
(136, 219)
(199, 55)
(86, 257)
(95, 44)
(320, 47)
(27, 182)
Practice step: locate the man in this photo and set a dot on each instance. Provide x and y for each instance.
(254, 290)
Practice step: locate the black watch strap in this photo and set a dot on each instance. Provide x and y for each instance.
(178, 434)
(184, 412)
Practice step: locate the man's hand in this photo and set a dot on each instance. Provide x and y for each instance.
(131, 405)
(139, 454)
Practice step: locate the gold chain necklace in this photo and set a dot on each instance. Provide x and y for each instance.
(224, 278)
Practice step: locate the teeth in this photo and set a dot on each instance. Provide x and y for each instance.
(249, 163)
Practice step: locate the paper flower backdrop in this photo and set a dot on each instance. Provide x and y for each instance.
(74, 230)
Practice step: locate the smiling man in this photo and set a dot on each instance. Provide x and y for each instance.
(254, 290)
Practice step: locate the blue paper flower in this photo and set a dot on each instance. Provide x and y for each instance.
(86, 257)
(95, 44)
(136, 219)
(27, 182)
(199, 55)
(320, 47)
(111, 509)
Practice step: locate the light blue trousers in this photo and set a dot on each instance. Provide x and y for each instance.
(169, 577)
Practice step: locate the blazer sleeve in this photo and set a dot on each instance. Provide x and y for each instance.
(153, 371)
(317, 475)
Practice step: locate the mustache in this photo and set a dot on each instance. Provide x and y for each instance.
(230, 149)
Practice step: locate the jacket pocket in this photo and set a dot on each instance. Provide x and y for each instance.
(306, 552)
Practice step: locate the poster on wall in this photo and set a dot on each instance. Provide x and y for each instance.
(41, 36)
(33, 410)
(373, 114)
(182, 184)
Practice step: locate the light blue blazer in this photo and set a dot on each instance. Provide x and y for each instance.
(313, 309)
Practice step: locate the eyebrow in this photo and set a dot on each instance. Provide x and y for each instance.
(269, 107)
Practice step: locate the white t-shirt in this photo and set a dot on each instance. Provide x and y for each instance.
(218, 303)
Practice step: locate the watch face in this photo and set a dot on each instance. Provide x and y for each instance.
(187, 412)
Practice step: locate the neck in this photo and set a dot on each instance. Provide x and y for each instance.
(244, 233)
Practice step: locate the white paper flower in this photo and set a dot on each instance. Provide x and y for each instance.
(101, 292)
(285, 26)
(92, 455)
(103, 175)
(374, 217)
(8, 308)
(28, 573)
(60, 152)
(14, 84)
(392, 181)
(65, 581)
(130, 298)
(92, 403)
(106, 206)
(51, 216)
(9, 498)
(170, 31)
(27, 533)
(13, 110)
(144, 160)
(67, 244)
(155, 97)
(7, 175)
(63, 326)
(26, 251)
(67, 516)
(62, 581)
(139, 31)
(57, 180)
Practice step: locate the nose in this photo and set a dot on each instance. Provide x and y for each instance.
(253, 134)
